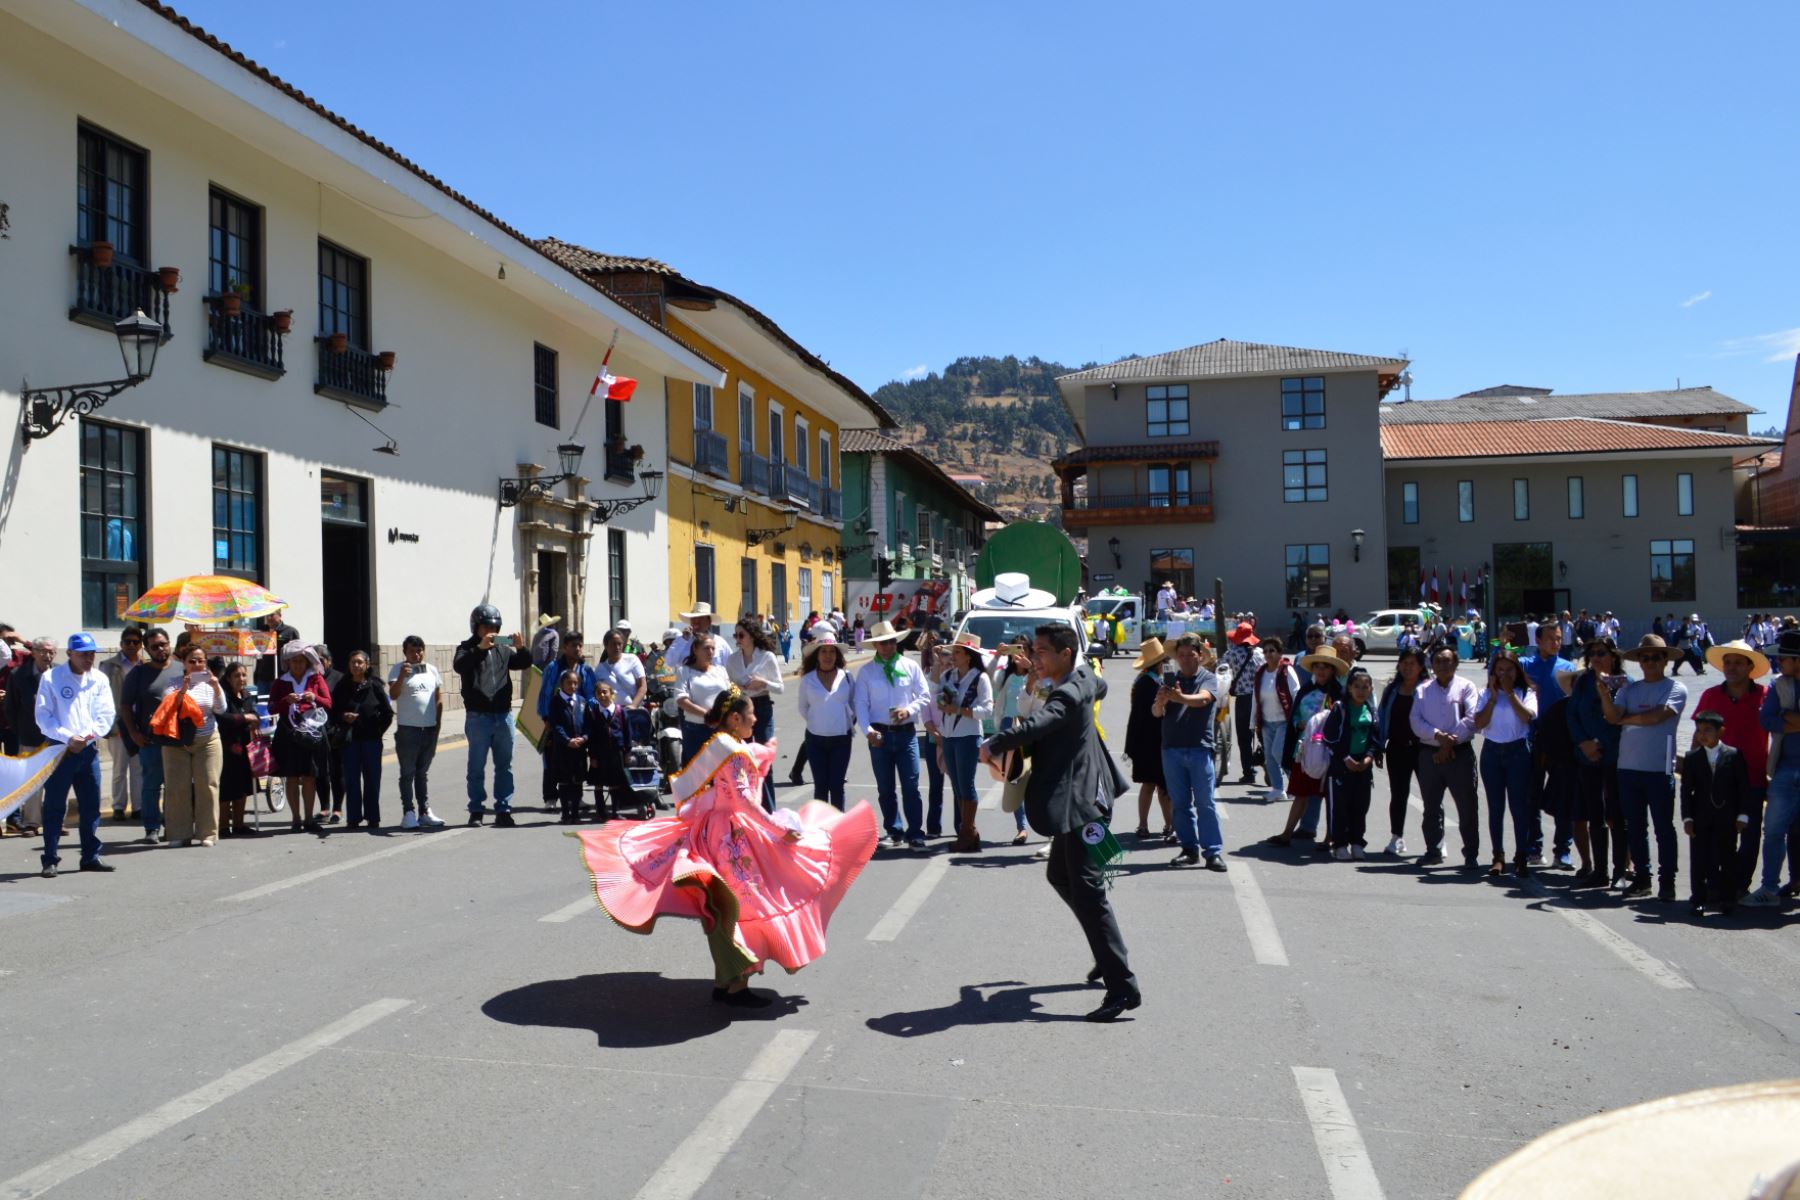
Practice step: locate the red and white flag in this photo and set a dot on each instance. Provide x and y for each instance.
(1465, 587)
(618, 387)
(1421, 585)
(1434, 585)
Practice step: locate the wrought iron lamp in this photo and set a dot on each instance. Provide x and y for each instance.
(536, 487)
(1356, 537)
(46, 408)
(756, 537)
(606, 510)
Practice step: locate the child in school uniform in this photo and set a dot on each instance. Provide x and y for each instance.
(1715, 806)
(609, 745)
(567, 754)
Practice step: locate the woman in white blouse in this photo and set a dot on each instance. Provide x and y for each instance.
(757, 672)
(1503, 716)
(191, 770)
(964, 697)
(698, 683)
(828, 706)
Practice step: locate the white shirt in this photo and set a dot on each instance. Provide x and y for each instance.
(1505, 726)
(972, 691)
(1165, 598)
(828, 713)
(417, 706)
(71, 705)
(680, 648)
(702, 687)
(1712, 755)
(210, 699)
(1531, 633)
(875, 695)
(624, 676)
(1270, 699)
(763, 665)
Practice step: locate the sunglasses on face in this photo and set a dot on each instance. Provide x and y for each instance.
(1650, 658)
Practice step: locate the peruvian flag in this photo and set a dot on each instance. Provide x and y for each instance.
(618, 387)
(1434, 585)
(1465, 587)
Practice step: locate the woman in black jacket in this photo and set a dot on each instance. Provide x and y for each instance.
(360, 706)
(1353, 731)
(1143, 740)
(238, 725)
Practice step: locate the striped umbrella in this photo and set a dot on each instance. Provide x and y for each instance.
(204, 600)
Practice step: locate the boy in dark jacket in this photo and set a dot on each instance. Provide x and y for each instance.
(571, 719)
(1715, 806)
(609, 749)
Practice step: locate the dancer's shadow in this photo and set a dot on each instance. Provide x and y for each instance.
(1012, 1003)
(630, 1009)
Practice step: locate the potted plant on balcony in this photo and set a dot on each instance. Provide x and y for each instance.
(635, 454)
(385, 360)
(283, 320)
(100, 254)
(340, 342)
(231, 300)
(168, 277)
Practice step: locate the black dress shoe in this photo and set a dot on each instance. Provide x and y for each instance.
(49, 872)
(504, 820)
(1095, 976)
(1665, 891)
(1216, 862)
(474, 818)
(1431, 858)
(1114, 1004)
(95, 864)
(1186, 858)
(741, 999)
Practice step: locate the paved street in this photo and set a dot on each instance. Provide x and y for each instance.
(442, 1014)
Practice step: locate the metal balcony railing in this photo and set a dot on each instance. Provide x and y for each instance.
(620, 466)
(791, 484)
(247, 341)
(753, 471)
(107, 295)
(1188, 499)
(831, 503)
(350, 374)
(709, 453)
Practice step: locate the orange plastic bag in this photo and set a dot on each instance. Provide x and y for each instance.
(175, 708)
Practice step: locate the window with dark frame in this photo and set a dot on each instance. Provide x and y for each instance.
(1169, 485)
(746, 420)
(1174, 566)
(1303, 403)
(1409, 504)
(110, 197)
(705, 580)
(703, 400)
(1309, 576)
(1577, 498)
(615, 576)
(1303, 476)
(1684, 495)
(1166, 410)
(237, 513)
(234, 247)
(1521, 500)
(1465, 500)
(747, 587)
(1672, 577)
(1628, 495)
(544, 388)
(112, 521)
(343, 294)
(615, 421)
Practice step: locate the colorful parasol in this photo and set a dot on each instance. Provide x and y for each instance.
(204, 600)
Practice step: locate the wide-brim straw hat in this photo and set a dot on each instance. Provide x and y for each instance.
(882, 631)
(1648, 642)
(1329, 658)
(810, 655)
(972, 643)
(702, 609)
(1150, 654)
(1759, 662)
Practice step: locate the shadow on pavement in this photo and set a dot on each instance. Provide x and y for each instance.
(630, 1009)
(1012, 1003)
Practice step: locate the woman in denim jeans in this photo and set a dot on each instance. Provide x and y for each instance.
(1272, 694)
(1011, 679)
(361, 705)
(964, 697)
(934, 660)
(1503, 715)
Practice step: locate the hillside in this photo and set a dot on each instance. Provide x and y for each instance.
(999, 418)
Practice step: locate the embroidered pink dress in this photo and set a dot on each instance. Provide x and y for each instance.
(763, 885)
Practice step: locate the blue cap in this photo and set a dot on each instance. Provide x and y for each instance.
(82, 641)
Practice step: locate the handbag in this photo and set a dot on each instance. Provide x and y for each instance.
(262, 758)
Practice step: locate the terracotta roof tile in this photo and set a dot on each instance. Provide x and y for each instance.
(1517, 404)
(1227, 357)
(1567, 435)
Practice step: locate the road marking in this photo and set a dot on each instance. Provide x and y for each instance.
(991, 798)
(1259, 922)
(692, 1163)
(910, 901)
(66, 1166)
(1341, 1149)
(569, 912)
(269, 889)
(1628, 951)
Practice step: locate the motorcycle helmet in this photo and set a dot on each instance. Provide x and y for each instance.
(484, 614)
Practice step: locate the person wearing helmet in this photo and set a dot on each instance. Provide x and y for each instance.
(632, 645)
(485, 665)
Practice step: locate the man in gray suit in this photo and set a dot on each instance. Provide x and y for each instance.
(1073, 784)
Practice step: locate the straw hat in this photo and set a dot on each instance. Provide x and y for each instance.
(1329, 658)
(883, 631)
(824, 638)
(702, 609)
(972, 643)
(1646, 643)
(1150, 654)
(1759, 662)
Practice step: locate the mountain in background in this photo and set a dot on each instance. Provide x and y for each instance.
(999, 418)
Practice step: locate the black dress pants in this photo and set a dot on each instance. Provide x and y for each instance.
(1080, 883)
(1401, 763)
(1243, 715)
(1712, 858)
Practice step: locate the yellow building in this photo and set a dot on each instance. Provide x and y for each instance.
(754, 493)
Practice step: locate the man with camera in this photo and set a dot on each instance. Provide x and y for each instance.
(485, 665)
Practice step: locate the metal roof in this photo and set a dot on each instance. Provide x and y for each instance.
(1226, 357)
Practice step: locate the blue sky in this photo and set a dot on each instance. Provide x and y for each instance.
(1587, 197)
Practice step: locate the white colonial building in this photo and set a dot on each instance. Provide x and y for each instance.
(366, 490)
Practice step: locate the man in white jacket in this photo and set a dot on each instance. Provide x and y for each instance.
(75, 707)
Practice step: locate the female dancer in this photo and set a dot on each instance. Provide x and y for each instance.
(762, 885)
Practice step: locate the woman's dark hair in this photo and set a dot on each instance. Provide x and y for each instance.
(413, 640)
(1418, 656)
(759, 634)
(694, 645)
(729, 701)
(1272, 645)
(1604, 644)
(366, 657)
(1521, 682)
(1359, 673)
(225, 675)
(809, 663)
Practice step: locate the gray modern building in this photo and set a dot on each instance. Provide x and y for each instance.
(1299, 479)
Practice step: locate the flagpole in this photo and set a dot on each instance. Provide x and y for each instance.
(604, 359)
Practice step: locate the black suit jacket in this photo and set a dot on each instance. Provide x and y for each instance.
(1709, 795)
(1072, 774)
